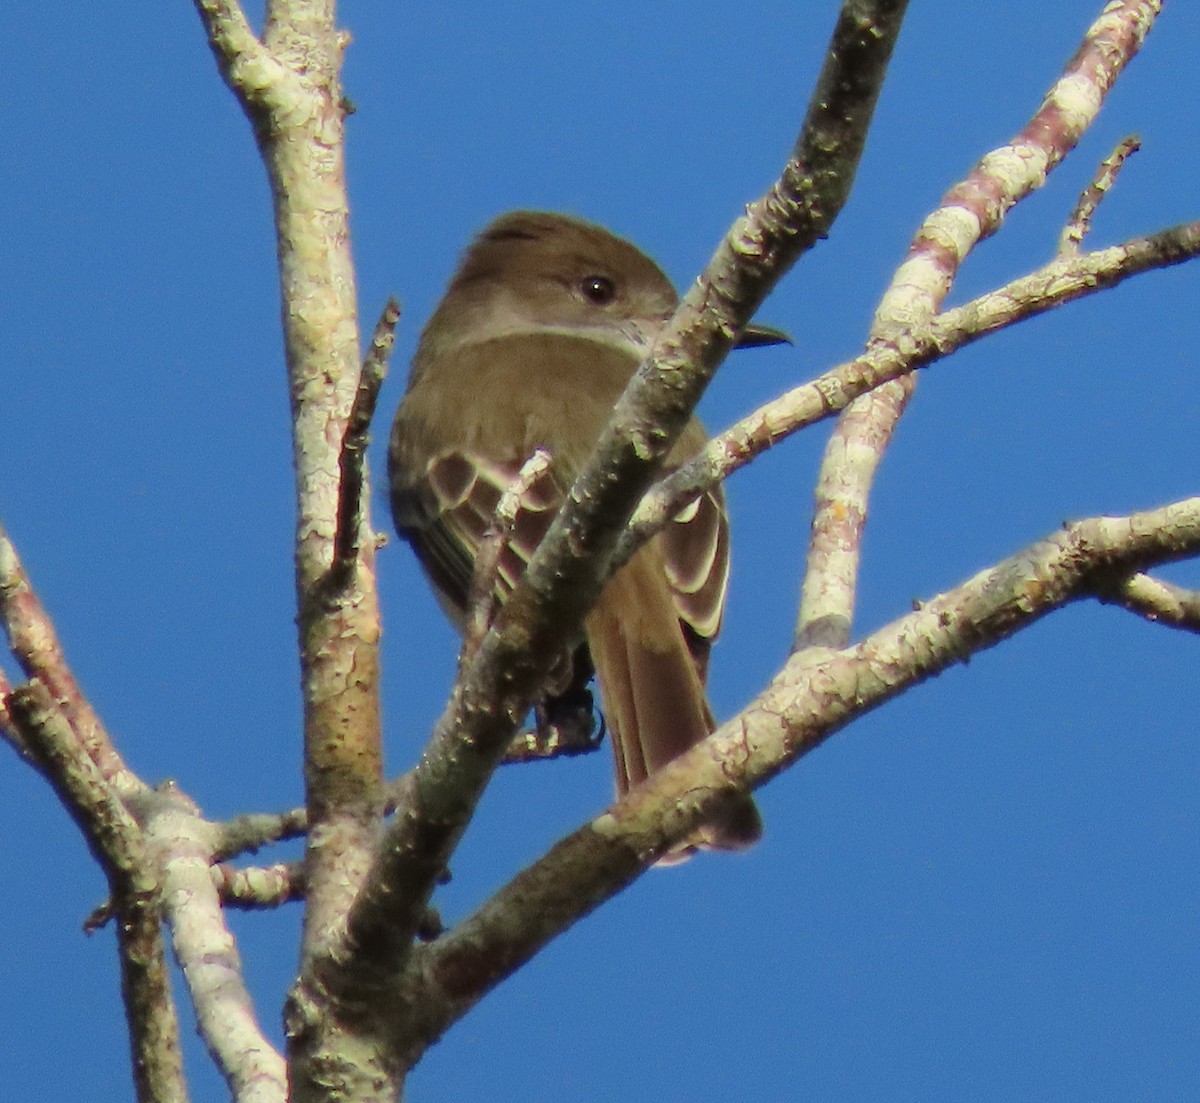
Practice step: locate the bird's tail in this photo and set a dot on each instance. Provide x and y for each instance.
(653, 695)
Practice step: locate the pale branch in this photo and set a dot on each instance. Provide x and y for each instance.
(568, 571)
(257, 887)
(34, 644)
(115, 840)
(150, 1011)
(110, 830)
(1061, 281)
(483, 594)
(851, 458)
(971, 211)
(250, 832)
(181, 844)
(1080, 222)
(229, 31)
(295, 24)
(289, 86)
(1157, 600)
(975, 208)
(254, 830)
(817, 693)
(351, 510)
(254, 76)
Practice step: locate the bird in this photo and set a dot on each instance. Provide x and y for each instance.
(541, 327)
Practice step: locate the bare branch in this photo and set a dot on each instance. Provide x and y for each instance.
(251, 832)
(289, 85)
(852, 456)
(291, 90)
(817, 693)
(1080, 222)
(253, 75)
(259, 886)
(181, 843)
(229, 31)
(115, 839)
(352, 510)
(1062, 281)
(971, 211)
(111, 831)
(1158, 601)
(35, 646)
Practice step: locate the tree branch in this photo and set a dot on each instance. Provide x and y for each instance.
(259, 886)
(289, 87)
(115, 840)
(971, 211)
(252, 74)
(1080, 223)
(817, 693)
(181, 843)
(1061, 281)
(254, 830)
(352, 505)
(35, 646)
(291, 92)
(1157, 601)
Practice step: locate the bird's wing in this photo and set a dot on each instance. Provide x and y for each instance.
(447, 513)
(695, 554)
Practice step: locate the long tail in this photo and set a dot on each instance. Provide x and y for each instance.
(653, 696)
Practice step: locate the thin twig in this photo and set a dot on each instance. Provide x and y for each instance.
(34, 644)
(353, 456)
(1080, 222)
(249, 833)
(257, 887)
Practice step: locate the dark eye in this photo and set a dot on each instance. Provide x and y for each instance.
(598, 289)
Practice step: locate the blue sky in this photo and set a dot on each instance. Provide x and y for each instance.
(985, 891)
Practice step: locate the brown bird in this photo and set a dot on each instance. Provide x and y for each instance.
(542, 326)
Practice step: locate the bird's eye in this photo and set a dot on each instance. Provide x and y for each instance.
(598, 289)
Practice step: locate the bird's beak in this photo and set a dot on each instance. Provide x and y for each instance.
(755, 336)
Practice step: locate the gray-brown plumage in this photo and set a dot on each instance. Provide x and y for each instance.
(538, 334)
